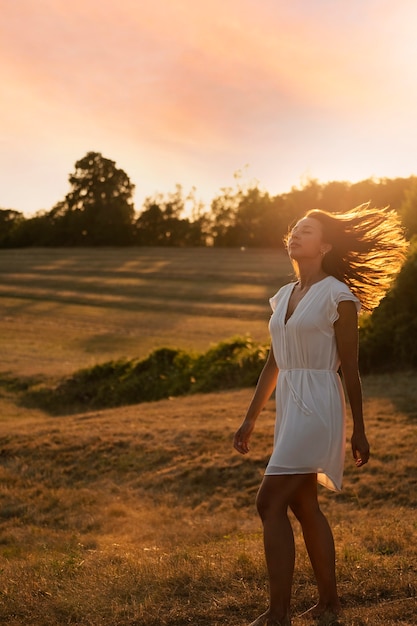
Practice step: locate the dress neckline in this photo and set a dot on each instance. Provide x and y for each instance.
(291, 291)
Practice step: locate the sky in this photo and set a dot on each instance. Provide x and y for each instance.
(188, 92)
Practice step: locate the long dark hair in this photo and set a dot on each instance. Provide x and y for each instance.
(368, 248)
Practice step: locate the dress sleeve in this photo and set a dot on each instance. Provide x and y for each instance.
(274, 301)
(340, 293)
(277, 297)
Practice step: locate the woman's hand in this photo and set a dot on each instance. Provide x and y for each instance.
(242, 436)
(264, 388)
(360, 449)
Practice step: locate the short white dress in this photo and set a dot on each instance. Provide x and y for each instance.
(310, 403)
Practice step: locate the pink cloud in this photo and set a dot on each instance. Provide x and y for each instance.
(186, 74)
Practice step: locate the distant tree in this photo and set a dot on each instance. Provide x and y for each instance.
(249, 217)
(300, 200)
(98, 210)
(408, 209)
(389, 336)
(34, 231)
(150, 227)
(277, 220)
(334, 197)
(380, 192)
(224, 209)
(235, 213)
(199, 221)
(198, 231)
(161, 222)
(9, 223)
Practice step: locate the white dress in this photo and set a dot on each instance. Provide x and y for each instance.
(310, 403)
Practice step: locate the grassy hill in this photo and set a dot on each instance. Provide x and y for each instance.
(144, 515)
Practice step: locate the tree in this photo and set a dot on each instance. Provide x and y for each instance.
(249, 217)
(308, 197)
(335, 197)
(408, 209)
(34, 231)
(388, 337)
(224, 228)
(161, 222)
(224, 212)
(9, 223)
(99, 208)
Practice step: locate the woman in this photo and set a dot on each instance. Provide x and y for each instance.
(342, 262)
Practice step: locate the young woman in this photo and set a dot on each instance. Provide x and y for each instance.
(342, 262)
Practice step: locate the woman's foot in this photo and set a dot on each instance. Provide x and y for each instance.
(266, 620)
(324, 615)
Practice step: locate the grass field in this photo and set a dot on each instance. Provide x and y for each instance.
(144, 515)
(72, 308)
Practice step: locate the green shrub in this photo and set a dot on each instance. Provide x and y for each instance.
(388, 338)
(165, 372)
(229, 364)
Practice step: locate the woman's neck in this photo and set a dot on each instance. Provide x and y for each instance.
(309, 275)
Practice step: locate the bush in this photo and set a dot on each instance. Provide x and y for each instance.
(166, 372)
(388, 338)
(228, 365)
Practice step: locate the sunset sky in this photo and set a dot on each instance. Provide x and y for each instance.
(189, 92)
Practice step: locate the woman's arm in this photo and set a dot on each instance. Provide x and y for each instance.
(347, 338)
(264, 388)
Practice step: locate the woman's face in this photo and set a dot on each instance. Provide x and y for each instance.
(305, 240)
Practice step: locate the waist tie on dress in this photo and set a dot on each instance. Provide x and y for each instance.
(295, 395)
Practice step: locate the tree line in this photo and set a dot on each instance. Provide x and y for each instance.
(98, 210)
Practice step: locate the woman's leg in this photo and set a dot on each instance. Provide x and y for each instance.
(274, 496)
(319, 542)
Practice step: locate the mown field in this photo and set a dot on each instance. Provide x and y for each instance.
(71, 308)
(144, 515)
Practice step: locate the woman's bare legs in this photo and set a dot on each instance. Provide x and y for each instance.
(299, 492)
(273, 500)
(319, 542)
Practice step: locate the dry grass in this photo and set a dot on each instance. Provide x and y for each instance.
(144, 516)
(70, 308)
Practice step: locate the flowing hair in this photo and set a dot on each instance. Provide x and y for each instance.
(368, 249)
